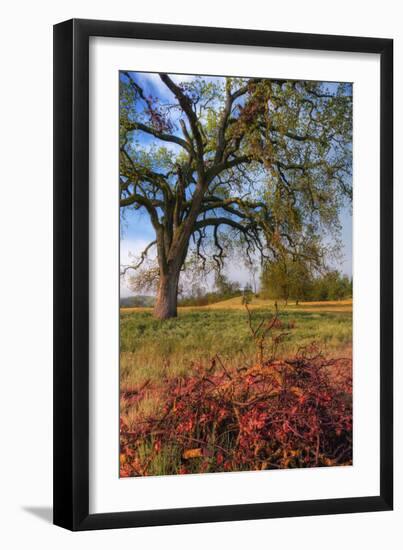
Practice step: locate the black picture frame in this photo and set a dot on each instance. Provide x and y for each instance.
(71, 274)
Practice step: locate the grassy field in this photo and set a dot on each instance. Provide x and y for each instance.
(158, 359)
(152, 349)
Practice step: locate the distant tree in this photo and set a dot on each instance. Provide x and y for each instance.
(197, 291)
(274, 281)
(254, 271)
(332, 286)
(247, 294)
(251, 161)
(301, 280)
(223, 290)
(137, 301)
(224, 286)
(286, 278)
(293, 278)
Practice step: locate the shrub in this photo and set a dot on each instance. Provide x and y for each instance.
(276, 414)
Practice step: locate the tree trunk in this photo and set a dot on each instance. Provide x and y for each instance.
(167, 297)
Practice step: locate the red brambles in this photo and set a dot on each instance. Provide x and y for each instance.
(279, 414)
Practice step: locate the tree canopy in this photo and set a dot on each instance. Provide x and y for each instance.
(221, 164)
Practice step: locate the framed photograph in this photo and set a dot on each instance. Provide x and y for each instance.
(223, 322)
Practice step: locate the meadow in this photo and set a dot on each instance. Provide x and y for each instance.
(175, 357)
(153, 349)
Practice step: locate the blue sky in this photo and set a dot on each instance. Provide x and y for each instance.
(136, 230)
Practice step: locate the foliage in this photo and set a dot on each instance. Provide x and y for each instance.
(285, 279)
(331, 286)
(288, 278)
(137, 301)
(224, 290)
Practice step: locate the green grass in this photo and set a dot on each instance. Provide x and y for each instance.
(156, 349)
(164, 462)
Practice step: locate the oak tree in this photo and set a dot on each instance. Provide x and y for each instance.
(257, 163)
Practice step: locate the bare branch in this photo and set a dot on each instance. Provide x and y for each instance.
(143, 256)
(220, 221)
(142, 201)
(226, 165)
(156, 133)
(186, 105)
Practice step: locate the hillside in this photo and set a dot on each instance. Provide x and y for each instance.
(260, 303)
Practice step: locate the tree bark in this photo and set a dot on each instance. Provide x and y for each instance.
(172, 251)
(167, 296)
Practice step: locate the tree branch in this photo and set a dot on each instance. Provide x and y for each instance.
(219, 221)
(144, 173)
(160, 135)
(226, 165)
(186, 105)
(146, 203)
(143, 256)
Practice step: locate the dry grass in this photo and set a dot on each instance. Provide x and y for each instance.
(336, 306)
(155, 349)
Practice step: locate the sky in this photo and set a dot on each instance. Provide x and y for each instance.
(136, 230)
